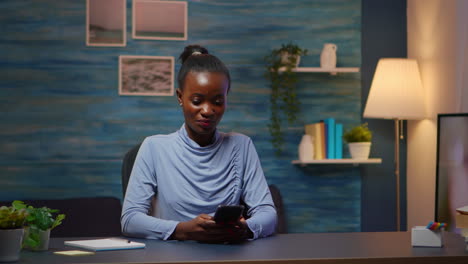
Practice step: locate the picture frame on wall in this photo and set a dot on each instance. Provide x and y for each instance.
(146, 75)
(159, 20)
(106, 23)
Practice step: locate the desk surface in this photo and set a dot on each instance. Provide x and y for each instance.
(353, 248)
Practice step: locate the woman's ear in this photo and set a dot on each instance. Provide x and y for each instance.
(179, 96)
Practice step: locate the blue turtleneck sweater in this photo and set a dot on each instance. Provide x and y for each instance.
(188, 180)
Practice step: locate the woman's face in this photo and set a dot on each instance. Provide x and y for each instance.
(203, 100)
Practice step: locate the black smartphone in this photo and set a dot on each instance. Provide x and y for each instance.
(228, 214)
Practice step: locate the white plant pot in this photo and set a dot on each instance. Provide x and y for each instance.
(359, 150)
(10, 244)
(285, 58)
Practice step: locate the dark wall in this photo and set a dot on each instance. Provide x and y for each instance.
(383, 35)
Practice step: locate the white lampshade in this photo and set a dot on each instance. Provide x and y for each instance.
(396, 91)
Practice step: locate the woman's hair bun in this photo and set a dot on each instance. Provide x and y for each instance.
(190, 50)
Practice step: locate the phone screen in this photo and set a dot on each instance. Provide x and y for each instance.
(228, 214)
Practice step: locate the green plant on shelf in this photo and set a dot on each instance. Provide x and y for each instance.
(359, 133)
(284, 103)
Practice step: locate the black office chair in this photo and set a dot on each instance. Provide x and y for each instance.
(129, 160)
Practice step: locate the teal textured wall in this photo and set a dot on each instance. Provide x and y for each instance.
(65, 128)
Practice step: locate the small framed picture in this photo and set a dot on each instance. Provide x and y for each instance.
(146, 75)
(106, 23)
(161, 20)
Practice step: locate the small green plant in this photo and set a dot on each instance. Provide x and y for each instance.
(38, 219)
(359, 133)
(11, 217)
(283, 82)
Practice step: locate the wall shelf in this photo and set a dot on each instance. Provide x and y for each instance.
(332, 71)
(338, 161)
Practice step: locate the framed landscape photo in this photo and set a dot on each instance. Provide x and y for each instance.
(146, 75)
(106, 23)
(160, 20)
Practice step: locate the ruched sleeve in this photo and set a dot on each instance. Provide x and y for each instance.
(256, 194)
(141, 188)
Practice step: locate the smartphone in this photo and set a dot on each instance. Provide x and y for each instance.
(228, 214)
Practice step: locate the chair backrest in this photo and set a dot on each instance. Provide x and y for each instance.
(281, 227)
(129, 160)
(127, 166)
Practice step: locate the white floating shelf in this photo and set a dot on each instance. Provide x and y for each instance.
(332, 71)
(338, 161)
(318, 69)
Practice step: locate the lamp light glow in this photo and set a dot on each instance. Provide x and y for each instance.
(396, 91)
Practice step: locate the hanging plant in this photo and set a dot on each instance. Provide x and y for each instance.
(283, 99)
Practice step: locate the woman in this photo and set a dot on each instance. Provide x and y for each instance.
(197, 168)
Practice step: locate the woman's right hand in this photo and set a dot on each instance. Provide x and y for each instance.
(204, 229)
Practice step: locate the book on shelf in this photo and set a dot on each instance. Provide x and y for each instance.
(330, 137)
(338, 141)
(315, 131)
(322, 139)
(327, 138)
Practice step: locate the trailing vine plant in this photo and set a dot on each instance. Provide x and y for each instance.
(284, 103)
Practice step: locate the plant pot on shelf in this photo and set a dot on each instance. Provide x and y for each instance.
(287, 58)
(359, 150)
(10, 244)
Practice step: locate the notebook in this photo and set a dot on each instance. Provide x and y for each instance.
(105, 244)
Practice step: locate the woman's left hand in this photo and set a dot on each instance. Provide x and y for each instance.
(237, 232)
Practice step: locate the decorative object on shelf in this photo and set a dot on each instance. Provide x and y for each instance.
(396, 93)
(283, 89)
(12, 222)
(39, 223)
(328, 56)
(306, 148)
(359, 141)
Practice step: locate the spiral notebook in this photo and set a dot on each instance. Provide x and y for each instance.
(105, 244)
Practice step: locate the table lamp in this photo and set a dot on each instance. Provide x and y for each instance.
(396, 93)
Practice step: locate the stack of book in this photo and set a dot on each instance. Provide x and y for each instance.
(327, 136)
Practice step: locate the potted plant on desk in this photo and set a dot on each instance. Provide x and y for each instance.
(39, 222)
(11, 232)
(359, 141)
